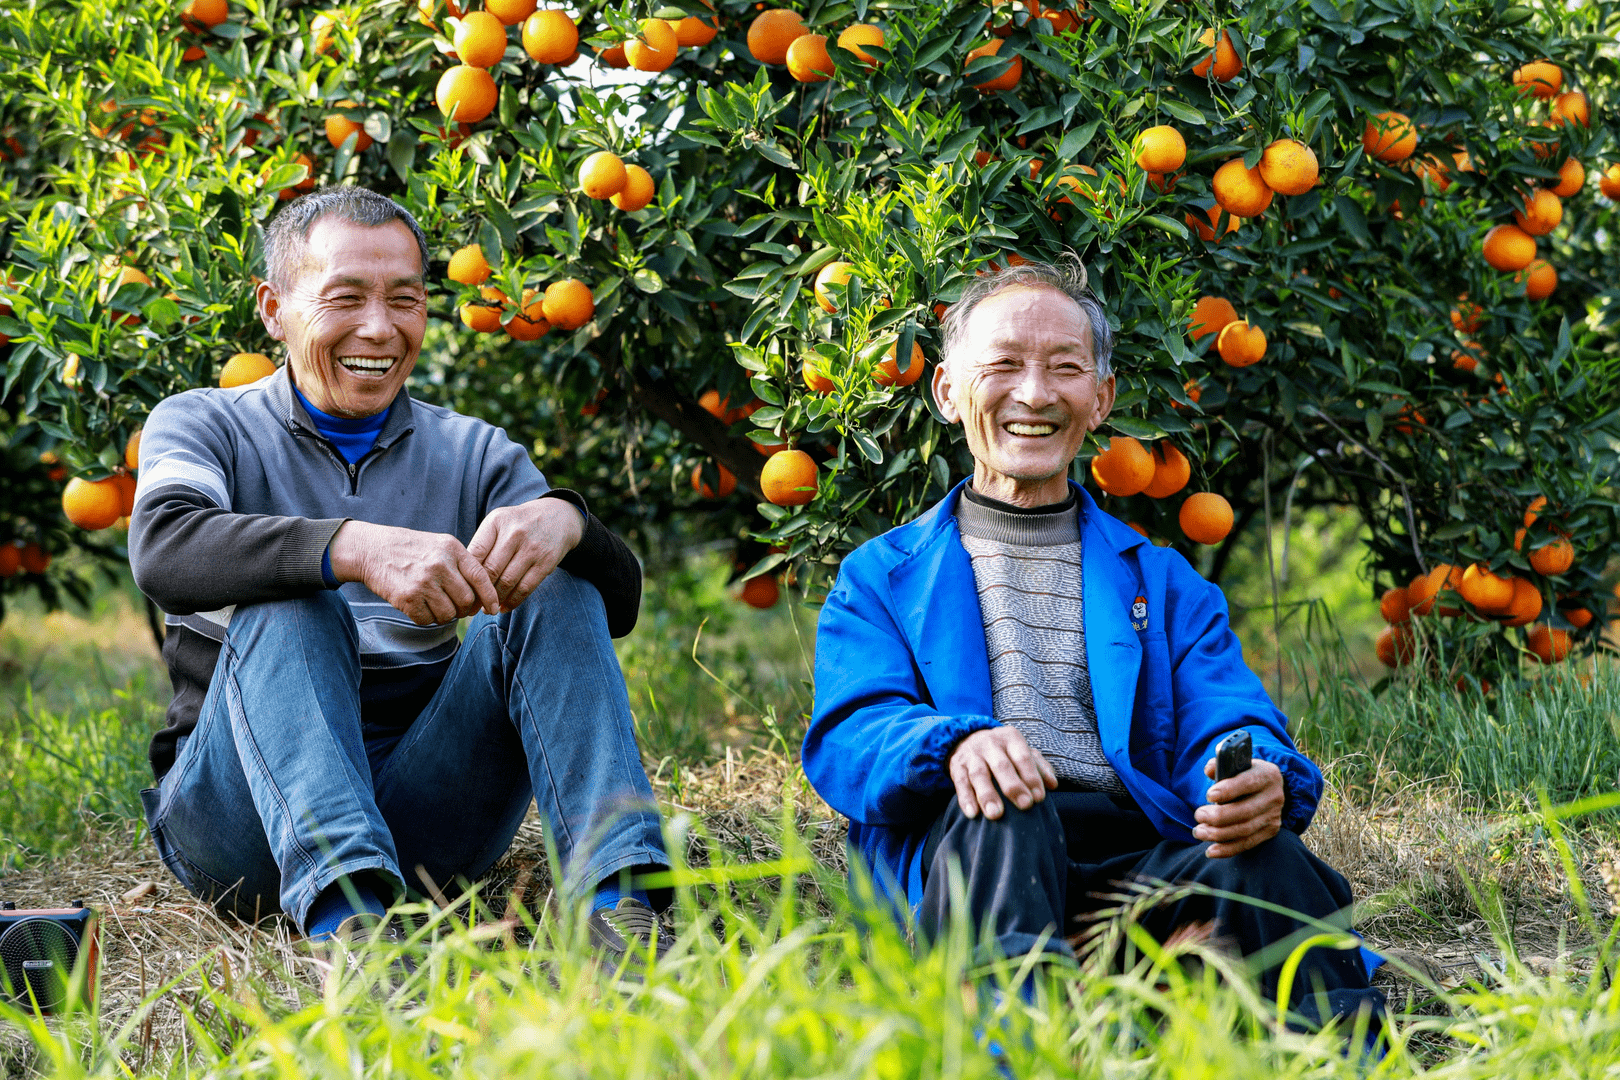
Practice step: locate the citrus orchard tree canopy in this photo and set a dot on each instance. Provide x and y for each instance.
(1405, 210)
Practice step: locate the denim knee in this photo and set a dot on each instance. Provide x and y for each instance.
(327, 609)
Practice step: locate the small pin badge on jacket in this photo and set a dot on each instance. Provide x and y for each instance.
(1139, 614)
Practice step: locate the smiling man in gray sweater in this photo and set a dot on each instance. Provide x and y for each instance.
(314, 538)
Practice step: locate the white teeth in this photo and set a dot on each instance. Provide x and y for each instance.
(1032, 429)
(367, 363)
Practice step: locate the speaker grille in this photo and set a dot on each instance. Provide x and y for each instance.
(37, 956)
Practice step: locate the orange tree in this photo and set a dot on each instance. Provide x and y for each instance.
(666, 271)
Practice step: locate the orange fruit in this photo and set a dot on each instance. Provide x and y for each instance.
(1570, 108)
(712, 403)
(1485, 590)
(1160, 149)
(92, 505)
(569, 304)
(1508, 247)
(34, 559)
(1526, 604)
(760, 592)
(1162, 183)
(467, 92)
(484, 318)
(126, 494)
(1241, 344)
(1389, 137)
(1467, 358)
(1540, 279)
(511, 12)
(728, 482)
(1171, 471)
(613, 56)
(853, 37)
(480, 39)
(888, 372)
(1206, 518)
(602, 175)
(1426, 589)
(1609, 182)
(1541, 78)
(789, 478)
(1571, 178)
(340, 127)
(1125, 468)
(1395, 646)
(1004, 81)
(1466, 316)
(1577, 617)
(200, 15)
(1206, 229)
(834, 273)
(1552, 559)
(1546, 644)
(306, 184)
(550, 36)
(1223, 58)
(10, 559)
(816, 379)
(244, 368)
(1239, 190)
(807, 59)
(771, 32)
(530, 322)
(1541, 214)
(693, 32)
(1210, 316)
(468, 266)
(1395, 605)
(654, 48)
(638, 189)
(1289, 167)
(132, 451)
(1533, 511)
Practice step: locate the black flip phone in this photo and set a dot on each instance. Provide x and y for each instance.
(1233, 755)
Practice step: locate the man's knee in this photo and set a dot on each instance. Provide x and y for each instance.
(1273, 869)
(1037, 830)
(320, 613)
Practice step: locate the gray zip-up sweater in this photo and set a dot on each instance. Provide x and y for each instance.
(239, 495)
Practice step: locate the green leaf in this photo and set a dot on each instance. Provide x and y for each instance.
(1355, 223)
(1075, 141)
(647, 280)
(1169, 225)
(1135, 428)
(1182, 111)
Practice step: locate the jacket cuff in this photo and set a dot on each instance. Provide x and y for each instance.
(303, 550)
(930, 770)
(573, 498)
(1299, 794)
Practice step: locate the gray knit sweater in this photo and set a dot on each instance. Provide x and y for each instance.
(1026, 565)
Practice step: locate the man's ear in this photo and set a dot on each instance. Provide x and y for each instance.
(1105, 402)
(269, 298)
(942, 394)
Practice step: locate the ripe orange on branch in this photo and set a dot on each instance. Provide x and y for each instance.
(1206, 229)
(1540, 280)
(92, 505)
(1571, 178)
(467, 92)
(1239, 189)
(789, 478)
(1241, 344)
(569, 304)
(1171, 471)
(727, 481)
(1289, 167)
(1508, 247)
(550, 36)
(602, 175)
(853, 37)
(1160, 149)
(1526, 604)
(834, 273)
(638, 190)
(1485, 590)
(480, 39)
(760, 592)
(244, 368)
(1395, 646)
(530, 324)
(201, 15)
(468, 266)
(1223, 58)
(654, 47)
(1547, 644)
(1206, 518)
(1210, 315)
(1541, 214)
(1541, 78)
(771, 32)
(1125, 468)
(510, 12)
(1389, 137)
(1395, 605)
(993, 84)
(888, 372)
(340, 127)
(484, 318)
(808, 60)
(1571, 108)
(692, 32)
(1552, 559)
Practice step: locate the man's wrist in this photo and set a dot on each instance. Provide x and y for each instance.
(346, 551)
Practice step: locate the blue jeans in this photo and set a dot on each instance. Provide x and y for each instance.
(282, 788)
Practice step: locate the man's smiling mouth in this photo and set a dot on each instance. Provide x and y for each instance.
(367, 365)
(1039, 429)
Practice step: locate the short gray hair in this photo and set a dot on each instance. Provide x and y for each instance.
(1067, 277)
(286, 239)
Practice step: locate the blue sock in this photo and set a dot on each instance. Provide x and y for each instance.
(608, 895)
(333, 905)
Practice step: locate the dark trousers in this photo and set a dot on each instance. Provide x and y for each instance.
(1040, 872)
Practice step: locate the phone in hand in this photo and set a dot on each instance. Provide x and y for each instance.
(1233, 755)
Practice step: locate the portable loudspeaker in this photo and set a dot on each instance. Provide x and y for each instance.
(39, 951)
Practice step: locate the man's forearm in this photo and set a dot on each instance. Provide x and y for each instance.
(189, 555)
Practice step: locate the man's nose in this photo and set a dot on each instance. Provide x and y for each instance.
(375, 323)
(1035, 387)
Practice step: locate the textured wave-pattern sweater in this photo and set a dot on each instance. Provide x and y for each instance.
(1026, 566)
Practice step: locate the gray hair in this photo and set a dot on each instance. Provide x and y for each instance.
(1067, 277)
(286, 238)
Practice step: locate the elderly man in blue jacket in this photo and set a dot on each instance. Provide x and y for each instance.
(1019, 686)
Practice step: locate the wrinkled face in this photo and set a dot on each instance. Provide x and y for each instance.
(352, 317)
(1023, 384)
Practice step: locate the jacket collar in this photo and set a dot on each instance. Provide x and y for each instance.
(291, 411)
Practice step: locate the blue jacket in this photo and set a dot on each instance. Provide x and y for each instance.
(902, 676)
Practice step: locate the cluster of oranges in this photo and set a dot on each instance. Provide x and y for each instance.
(100, 504)
(1238, 343)
(26, 558)
(467, 92)
(779, 36)
(603, 175)
(1511, 601)
(566, 304)
(1129, 468)
(789, 477)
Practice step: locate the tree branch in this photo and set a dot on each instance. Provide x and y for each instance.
(663, 399)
